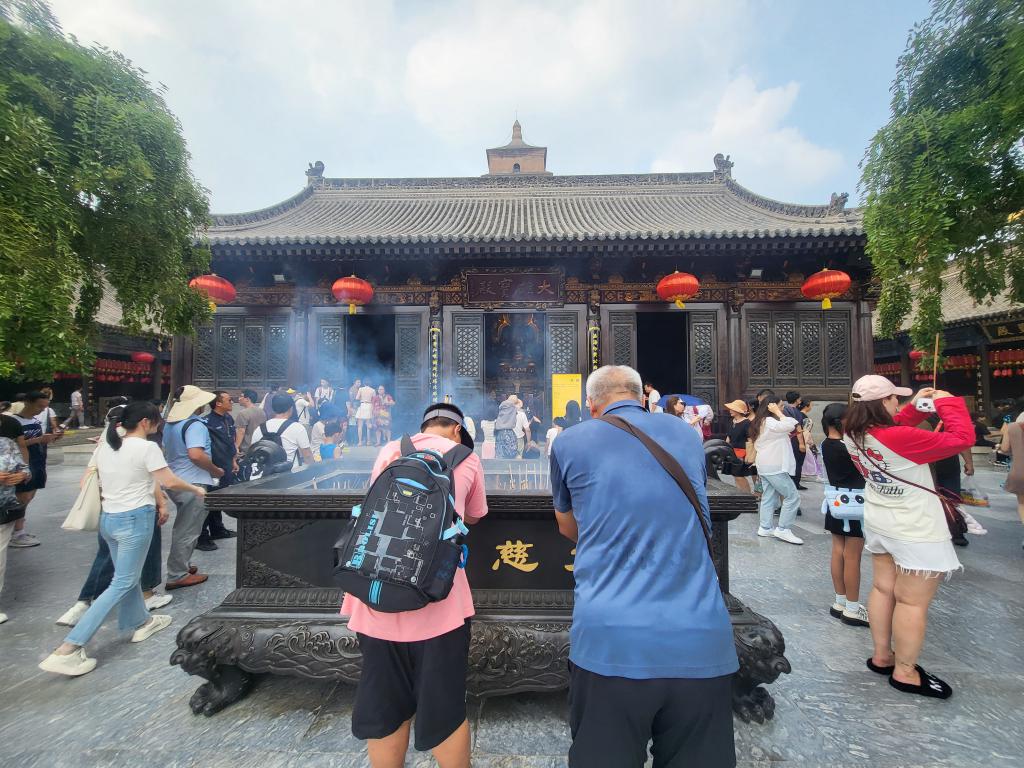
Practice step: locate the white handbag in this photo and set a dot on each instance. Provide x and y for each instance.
(85, 512)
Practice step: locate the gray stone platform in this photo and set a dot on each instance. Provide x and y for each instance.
(132, 710)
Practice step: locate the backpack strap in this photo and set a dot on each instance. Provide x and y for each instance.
(282, 427)
(407, 447)
(456, 456)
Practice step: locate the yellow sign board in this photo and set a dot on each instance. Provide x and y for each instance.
(565, 387)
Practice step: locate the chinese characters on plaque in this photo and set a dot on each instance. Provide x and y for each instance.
(1008, 331)
(523, 288)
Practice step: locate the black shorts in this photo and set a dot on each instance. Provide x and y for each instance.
(612, 719)
(38, 479)
(425, 678)
(832, 525)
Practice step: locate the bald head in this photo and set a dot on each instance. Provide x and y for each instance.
(611, 383)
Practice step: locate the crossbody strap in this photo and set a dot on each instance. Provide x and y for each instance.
(671, 466)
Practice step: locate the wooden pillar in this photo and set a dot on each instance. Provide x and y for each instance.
(181, 361)
(984, 380)
(863, 343)
(733, 357)
(298, 359)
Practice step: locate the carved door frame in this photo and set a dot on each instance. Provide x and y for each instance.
(461, 326)
(706, 379)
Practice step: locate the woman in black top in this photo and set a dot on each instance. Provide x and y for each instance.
(736, 436)
(846, 546)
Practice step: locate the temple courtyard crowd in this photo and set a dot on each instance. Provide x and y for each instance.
(651, 650)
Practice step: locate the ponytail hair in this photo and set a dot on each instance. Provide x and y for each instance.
(128, 418)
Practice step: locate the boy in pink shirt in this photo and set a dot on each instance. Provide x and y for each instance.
(414, 662)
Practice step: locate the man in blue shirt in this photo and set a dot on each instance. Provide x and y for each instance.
(188, 450)
(651, 644)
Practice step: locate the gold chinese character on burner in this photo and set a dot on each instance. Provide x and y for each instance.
(571, 566)
(515, 555)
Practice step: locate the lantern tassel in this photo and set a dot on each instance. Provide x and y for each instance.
(826, 303)
(212, 305)
(680, 304)
(351, 309)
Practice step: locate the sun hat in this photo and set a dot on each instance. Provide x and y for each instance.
(192, 398)
(738, 406)
(873, 387)
(448, 411)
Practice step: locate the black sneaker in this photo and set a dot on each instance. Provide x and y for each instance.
(960, 541)
(205, 545)
(223, 534)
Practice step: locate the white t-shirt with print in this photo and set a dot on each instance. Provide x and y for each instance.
(293, 438)
(522, 422)
(126, 480)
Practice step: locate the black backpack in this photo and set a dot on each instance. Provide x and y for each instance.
(267, 455)
(404, 541)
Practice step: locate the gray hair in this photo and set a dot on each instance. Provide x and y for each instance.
(609, 380)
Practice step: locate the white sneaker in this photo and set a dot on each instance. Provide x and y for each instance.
(72, 665)
(73, 614)
(23, 540)
(837, 610)
(858, 618)
(156, 622)
(784, 534)
(157, 601)
(3, 618)
(764, 532)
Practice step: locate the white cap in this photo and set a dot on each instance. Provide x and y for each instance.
(873, 387)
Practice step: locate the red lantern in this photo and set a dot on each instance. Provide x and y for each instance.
(353, 291)
(678, 287)
(215, 288)
(142, 357)
(826, 285)
(915, 355)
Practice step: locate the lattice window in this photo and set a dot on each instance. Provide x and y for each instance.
(563, 348)
(838, 351)
(703, 349)
(277, 353)
(622, 345)
(785, 349)
(408, 352)
(810, 349)
(468, 355)
(203, 355)
(329, 351)
(759, 352)
(254, 353)
(228, 354)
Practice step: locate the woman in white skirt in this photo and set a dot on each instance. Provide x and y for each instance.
(905, 526)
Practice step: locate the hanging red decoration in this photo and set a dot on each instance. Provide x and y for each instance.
(353, 291)
(678, 287)
(826, 285)
(215, 288)
(915, 354)
(142, 357)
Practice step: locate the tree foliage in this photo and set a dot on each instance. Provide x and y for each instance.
(944, 178)
(95, 188)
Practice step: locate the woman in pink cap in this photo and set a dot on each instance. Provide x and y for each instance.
(904, 523)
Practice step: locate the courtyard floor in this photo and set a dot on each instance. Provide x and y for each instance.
(133, 709)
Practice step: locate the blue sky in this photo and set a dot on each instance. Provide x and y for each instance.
(793, 90)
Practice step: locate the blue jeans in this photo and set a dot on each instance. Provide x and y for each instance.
(102, 570)
(128, 535)
(774, 486)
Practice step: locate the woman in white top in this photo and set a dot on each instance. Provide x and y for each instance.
(130, 472)
(775, 462)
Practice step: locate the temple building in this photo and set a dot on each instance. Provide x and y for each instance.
(494, 284)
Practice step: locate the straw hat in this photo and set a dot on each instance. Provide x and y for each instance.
(192, 398)
(738, 406)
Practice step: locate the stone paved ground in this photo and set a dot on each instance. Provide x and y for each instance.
(133, 709)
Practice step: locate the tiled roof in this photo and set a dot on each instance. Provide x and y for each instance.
(958, 306)
(529, 209)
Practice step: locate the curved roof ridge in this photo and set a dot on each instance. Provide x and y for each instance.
(260, 214)
(789, 209)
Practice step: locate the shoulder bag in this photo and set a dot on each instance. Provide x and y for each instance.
(671, 466)
(955, 521)
(85, 512)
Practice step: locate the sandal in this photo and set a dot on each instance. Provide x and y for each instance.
(930, 685)
(887, 671)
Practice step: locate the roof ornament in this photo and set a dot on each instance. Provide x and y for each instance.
(723, 165)
(315, 173)
(517, 131)
(837, 203)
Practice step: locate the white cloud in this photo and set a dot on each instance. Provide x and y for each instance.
(750, 125)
